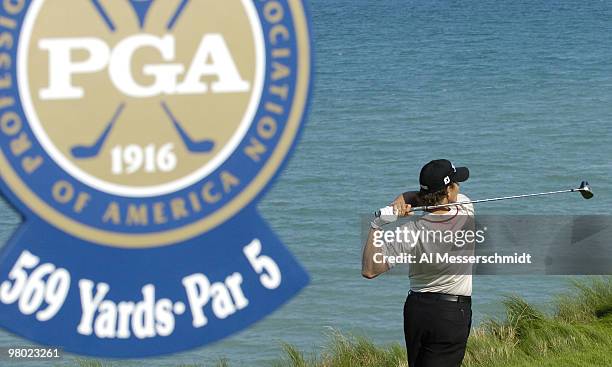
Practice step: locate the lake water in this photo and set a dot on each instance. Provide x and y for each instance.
(518, 91)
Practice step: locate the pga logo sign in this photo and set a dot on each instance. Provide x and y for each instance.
(136, 138)
(166, 76)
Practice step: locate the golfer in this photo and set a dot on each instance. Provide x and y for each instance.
(437, 312)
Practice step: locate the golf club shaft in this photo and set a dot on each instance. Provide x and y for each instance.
(417, 208)
(423, 208)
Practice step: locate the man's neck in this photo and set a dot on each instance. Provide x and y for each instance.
(440, 210)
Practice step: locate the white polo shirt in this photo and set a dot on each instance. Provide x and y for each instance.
(439, 277)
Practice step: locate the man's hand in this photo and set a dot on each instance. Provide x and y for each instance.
(398, 208)
(401, 208)
(387, 215)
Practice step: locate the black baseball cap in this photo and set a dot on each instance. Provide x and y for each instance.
(439, 173)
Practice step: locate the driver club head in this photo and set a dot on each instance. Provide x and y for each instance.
(585, 190)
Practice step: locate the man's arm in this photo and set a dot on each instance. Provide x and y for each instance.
(369, 268)
(372, 249)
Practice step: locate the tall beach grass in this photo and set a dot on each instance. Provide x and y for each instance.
(577, 333)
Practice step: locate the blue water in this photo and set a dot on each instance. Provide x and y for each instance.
(519, 91)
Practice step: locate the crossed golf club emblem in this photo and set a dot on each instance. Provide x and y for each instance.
(141, 8)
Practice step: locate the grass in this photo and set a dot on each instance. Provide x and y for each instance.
(346, 351)
(578, 333)
(83, 362)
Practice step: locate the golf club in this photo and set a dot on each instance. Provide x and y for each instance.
(177, 14)
(104, 15)
(194, 146)
(584, 190)
(88, 151)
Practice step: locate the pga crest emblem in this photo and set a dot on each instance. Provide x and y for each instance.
(136, 137)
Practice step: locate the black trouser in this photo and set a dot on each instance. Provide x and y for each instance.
(436, 331)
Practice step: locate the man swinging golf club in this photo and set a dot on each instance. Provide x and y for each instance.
(437, 312)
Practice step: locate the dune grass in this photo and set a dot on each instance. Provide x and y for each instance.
(578, 333)
(83, 362)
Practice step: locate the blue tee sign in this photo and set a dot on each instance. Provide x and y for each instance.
(136, 137)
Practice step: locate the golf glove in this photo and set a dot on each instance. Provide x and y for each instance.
(387, 215)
